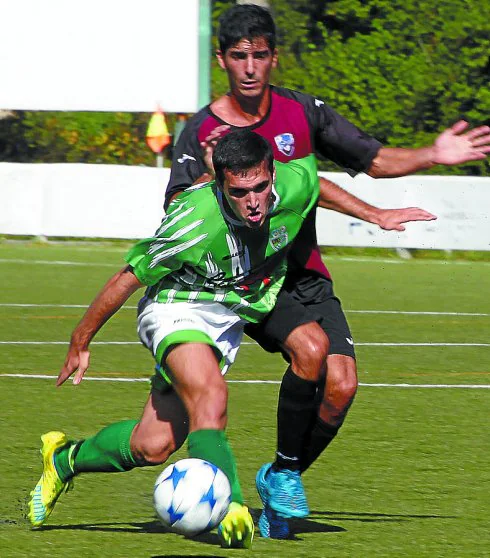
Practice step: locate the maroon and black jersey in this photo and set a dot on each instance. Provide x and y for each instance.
(296, 125)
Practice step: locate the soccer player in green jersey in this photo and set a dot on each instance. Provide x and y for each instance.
(217, 261)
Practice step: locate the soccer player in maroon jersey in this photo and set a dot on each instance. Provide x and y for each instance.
(296, 124)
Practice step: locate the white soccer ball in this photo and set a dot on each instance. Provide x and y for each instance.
(192, 496)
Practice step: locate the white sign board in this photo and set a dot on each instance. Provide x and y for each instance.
(461, 204)
(78, 200)
(114, 201)
(100, 55)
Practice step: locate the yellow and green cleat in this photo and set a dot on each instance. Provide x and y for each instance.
(50, 486)
(237, 528)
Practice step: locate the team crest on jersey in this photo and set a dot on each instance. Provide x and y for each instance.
(279, 238)
(285, 143)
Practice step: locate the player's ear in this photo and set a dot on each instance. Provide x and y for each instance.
(274, 58)
(220, 58)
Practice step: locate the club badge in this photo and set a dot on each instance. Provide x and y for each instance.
(279, 238)
(285, 143)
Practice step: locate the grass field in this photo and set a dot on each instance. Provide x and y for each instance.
(408, 476)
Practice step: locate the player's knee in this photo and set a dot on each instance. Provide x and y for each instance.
(308, 360)
(151, 450)
(342, 380)
(340, 390)
(337, 401)
(346, 390)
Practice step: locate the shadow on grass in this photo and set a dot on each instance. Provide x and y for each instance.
(155, 527)
(375, 517)
(315, 523)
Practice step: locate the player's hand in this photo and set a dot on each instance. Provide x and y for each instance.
(455, 146)
(393, 219)
(209, 144)
(77, 361)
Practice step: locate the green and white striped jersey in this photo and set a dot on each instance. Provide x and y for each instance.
(202, 252)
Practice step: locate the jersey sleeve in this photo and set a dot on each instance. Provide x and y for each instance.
(179, 240)
(307, 171)
(337, 139)
(297, 184)
(187, 161)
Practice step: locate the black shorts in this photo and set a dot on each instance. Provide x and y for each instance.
(303, 299)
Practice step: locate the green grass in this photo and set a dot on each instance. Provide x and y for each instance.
(408, 476)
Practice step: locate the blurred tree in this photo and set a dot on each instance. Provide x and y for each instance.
(13, 146)
(87, 137)
(401, 70)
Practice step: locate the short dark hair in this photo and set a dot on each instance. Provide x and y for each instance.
(240, 151)
(246, 21)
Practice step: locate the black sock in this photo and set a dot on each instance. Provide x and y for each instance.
(294, 412)
(321, 436)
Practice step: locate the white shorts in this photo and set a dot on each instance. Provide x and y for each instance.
(161, 326)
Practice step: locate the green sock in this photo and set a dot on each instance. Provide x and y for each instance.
(106, 452)
(63, 460)
(213, 446)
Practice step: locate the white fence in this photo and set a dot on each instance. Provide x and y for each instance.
(111, 201)
(461, 203)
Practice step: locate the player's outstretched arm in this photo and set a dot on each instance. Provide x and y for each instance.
(337, 199)
(456, 145)
(112, 296)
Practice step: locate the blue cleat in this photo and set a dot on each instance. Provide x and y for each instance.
(286, 493)
(261, 482)
(271, 524)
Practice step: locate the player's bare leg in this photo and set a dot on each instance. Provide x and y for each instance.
(340, 389)
(338, 395)
(197, 379)
(162, 429)
(117, 448)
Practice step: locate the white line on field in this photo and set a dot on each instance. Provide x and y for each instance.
(348, 259)
(276, 382)
(253, 343)
(67, 343)
(21, 305)
(422, 344)
(416, 313)
(129, 307)
(59, 262)
(362, 259)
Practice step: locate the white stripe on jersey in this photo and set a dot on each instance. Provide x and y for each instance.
(193, 296)
(161, 241)
(176, 249)
(172, 292)
(174, 219)
(220, 296)
(212, 268)
(234, 246)
(189, 276)
(242, 304)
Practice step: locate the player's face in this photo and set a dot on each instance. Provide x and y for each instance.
(249, 194)
(248, 65)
